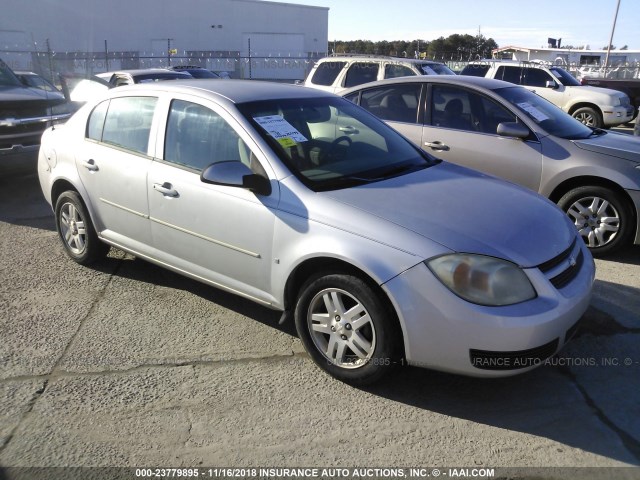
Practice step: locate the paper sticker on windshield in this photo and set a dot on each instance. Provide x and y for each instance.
(281, 130)
(537, 115)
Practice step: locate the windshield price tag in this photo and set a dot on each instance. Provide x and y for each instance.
(281, 130)
(537, 115)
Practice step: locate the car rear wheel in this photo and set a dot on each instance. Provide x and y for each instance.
(76, 230)
(602, 216)
(589, 116)
(346, 328)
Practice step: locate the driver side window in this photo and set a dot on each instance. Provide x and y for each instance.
(197, 136)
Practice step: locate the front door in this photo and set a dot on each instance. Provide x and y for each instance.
(218, 233)
(461, 128)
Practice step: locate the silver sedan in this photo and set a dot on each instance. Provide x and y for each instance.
(512, 133)
(303, 202)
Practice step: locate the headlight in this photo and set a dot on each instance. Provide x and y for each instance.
(482, 280)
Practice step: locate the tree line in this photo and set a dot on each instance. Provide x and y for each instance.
(454, 47)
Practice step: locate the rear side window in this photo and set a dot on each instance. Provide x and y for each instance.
(360, 73)
(510, 74)
(395, 103)
(327, 72)
(128, 123)
(96, 121)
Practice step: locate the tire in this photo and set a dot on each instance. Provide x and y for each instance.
(589, 116)
(602, 216)
(76, 231)
(346, 328)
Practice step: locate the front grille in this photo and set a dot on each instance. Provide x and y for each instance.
(554, 262)
(563, 268)
(569, 274)
(490, 360)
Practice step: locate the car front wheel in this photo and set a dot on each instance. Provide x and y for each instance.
(602, 216)
(76, 230)
(589, 116)
(346, 328)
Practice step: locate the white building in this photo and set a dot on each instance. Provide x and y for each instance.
(91, 36)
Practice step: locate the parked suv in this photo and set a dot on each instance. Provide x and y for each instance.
(25, 112)
(593, 106)
(337, 73)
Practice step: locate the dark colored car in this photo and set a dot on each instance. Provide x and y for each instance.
(194, 71)
(25, 112)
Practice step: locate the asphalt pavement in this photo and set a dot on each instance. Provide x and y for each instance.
(127, 364)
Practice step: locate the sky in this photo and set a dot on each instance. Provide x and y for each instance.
(522, 23)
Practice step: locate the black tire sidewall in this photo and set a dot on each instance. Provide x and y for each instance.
(617, 201)
(594, 113)
(384, 357)
(94, 248)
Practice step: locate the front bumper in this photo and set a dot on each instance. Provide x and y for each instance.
(612, 116)
(443, 332)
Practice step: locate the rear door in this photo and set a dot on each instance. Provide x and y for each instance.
(113, 163)
(397, 104)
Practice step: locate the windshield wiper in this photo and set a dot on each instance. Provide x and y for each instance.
(597, 132)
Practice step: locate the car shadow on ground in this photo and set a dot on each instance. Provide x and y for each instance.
(127, 266)
(22, 202)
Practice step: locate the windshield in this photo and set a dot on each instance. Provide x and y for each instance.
(436, 69)
(565, 77)
(7, 77)
(544, 113)
(330, 143)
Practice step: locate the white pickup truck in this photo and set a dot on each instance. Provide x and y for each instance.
(593, 106)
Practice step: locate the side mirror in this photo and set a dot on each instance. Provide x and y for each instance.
(551, 84)
(235, 174)
(513, 129)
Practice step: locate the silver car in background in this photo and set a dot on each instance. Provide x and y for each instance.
(512, 133)
(303, 202)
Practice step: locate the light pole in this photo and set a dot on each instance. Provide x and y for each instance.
(613, 29)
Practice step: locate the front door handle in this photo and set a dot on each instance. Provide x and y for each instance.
(166, 189)
(90, 165)
(349, 130)
(437, 146)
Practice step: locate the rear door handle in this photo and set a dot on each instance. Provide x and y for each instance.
(90, 165)
(166, 189)
(437, 146)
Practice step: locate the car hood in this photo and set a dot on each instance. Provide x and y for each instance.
(467, 211)
(614, 144)
(17, 96)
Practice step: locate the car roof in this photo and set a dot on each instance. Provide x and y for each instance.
(236, 91)
(482, 82)
(356, 57)
(140, 71)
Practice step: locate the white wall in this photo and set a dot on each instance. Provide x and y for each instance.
(143, 26)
